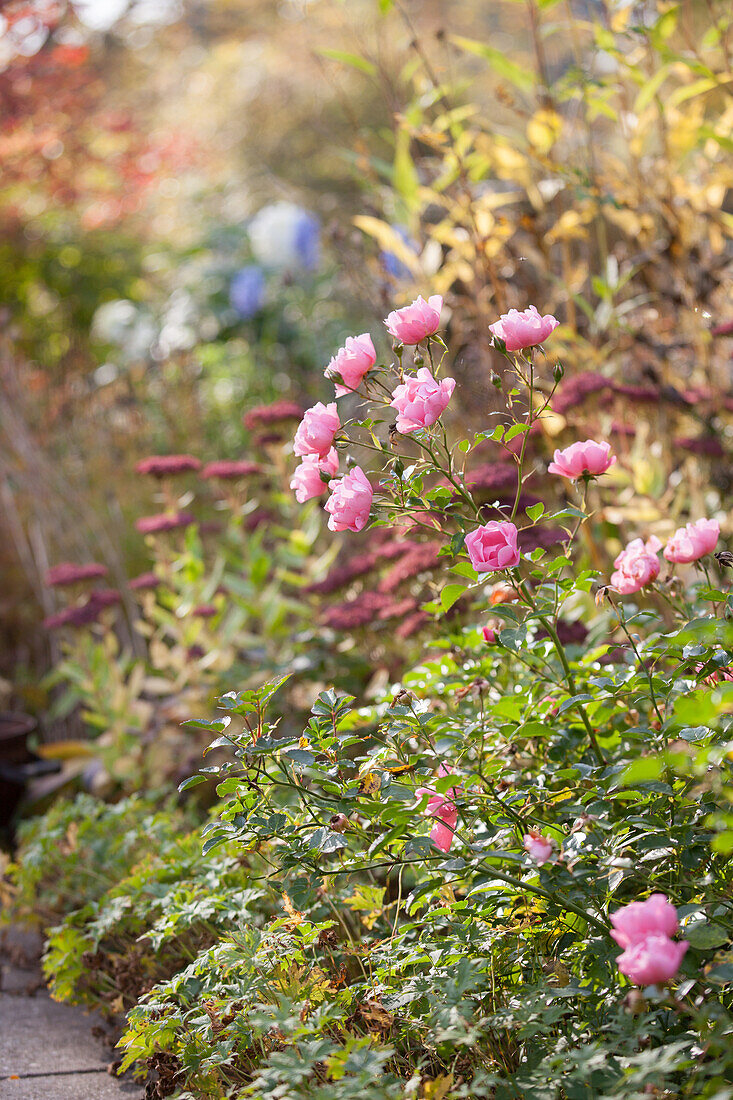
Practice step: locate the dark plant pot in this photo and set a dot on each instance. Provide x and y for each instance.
(17, 763)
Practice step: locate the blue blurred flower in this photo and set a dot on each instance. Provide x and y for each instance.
(285, 237)
(247, 291)
(308, 240)
(392, 264)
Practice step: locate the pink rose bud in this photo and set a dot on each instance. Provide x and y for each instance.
(493, 546)
(413, 323)
(443, 808)
(693, 541)
(350, 502)
(636, 566)
(420, 400)
(653, 960)
(351, 363)
(582, 459)
(523, 330)
(538, 847)
(307, 481)
(316, 430)
(634, 922)
(490, 635)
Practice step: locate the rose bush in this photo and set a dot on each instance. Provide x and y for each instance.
(461, 854)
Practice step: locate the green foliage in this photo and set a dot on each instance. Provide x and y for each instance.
(80, 848)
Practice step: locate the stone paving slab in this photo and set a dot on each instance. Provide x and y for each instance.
(47, 1049)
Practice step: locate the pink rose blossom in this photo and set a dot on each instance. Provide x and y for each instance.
(538, 847)
(442, 807)
(316, 430)
(634, 922)
(351, 363)
(420, 400)
(307, 481)
(582, 458)
(523, 329)
(636, 566)
(413, 323)
(493, 546)
(693, 541)
(350, 502)
(653, 960)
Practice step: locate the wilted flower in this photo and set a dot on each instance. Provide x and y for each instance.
(523, 329)
(350, 502)
(351, 363)
(420, 400)
(66, 572)
(582, 459)
(167, 465)
(493, 546)
(637, 566)
(413, 323)
(693, 541)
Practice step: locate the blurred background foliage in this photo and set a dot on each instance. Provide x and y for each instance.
(201, 200)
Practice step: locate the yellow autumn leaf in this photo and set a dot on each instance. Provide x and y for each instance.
(543, 130)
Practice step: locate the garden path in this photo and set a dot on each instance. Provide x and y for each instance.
(48, 1051)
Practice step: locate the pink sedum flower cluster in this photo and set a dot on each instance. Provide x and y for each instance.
(413, 323)
(317, 430)
(307, 481)
(582, 459)
(637, 566)
(493, 546)
(525, 329)
(443, 808)
(420, 400)
(351, 363)
(644, 929)
(693, 541)
(350, 502)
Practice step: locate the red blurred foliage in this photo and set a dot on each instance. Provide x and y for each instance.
(58, 136)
